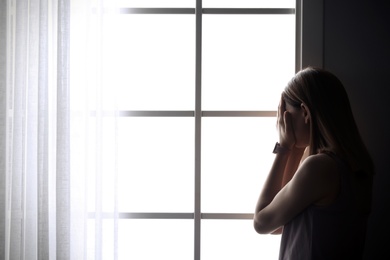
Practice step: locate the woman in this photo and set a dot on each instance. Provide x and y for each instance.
(318, 191)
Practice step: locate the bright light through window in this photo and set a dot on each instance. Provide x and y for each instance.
(235, 162)
(156, 62)
(246, 62)
(235, 239)
(134, 124)
(156, 165)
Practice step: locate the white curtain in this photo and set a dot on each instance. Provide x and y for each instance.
(47, 180)
(93, 134)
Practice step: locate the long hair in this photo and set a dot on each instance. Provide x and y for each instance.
(332, 125)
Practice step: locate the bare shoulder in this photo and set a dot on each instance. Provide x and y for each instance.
(320, 160)
(316, 182)
(322, 172)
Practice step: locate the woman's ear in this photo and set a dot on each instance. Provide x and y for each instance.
(306, 113)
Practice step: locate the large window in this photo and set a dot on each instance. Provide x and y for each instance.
(177, 101)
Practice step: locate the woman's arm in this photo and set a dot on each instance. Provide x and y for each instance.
(282, 170)
(316, 180)
(285, 163)
(296, 157)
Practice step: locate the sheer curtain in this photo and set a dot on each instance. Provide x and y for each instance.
(74, 167)
(93, 132)
(43, 186)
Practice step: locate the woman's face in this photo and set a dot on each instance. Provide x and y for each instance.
(301, 124)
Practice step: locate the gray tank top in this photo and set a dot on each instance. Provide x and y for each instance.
(333, 232)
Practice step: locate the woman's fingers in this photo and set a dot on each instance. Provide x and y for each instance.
(284, 123)
(288, 130)
(280, 113)
(287, 122)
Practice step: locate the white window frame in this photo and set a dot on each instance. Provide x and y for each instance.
(309, 52)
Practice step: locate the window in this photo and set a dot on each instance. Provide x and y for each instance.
(176, 104)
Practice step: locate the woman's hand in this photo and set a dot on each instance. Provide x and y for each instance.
(285, 127)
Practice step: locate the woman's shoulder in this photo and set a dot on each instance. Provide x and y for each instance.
(321, 162)
(322, 172)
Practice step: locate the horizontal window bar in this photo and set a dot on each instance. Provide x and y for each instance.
(207, 10)
(145, 113)
(227, 216)
(159, 215)
(143, 215)
(157, 10)
(158, 113)
(248, 11)
(239, 113)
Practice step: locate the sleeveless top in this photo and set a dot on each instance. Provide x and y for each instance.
(331, 232)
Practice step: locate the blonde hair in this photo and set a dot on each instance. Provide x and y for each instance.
(332, 125)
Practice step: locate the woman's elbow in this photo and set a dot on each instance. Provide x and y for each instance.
(264, 225)
(259, 228)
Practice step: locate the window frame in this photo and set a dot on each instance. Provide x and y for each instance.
(308, 52)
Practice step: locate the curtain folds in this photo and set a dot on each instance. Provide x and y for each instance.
(94, 167)
(63, 133)
(3, 126)
(34, 130)
(58, 168)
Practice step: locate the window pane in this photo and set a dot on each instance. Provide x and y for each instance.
(156, 167)
(156, 3)
(149, 62)
(96, 146)
(144, 239)
(236, 158)
(247, 60)
(249, 3)
(236, 239)
(156, 239)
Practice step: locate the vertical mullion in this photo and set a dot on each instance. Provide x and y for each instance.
(198, 119)
(298, 35)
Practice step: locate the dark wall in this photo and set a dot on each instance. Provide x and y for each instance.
(357, 50)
